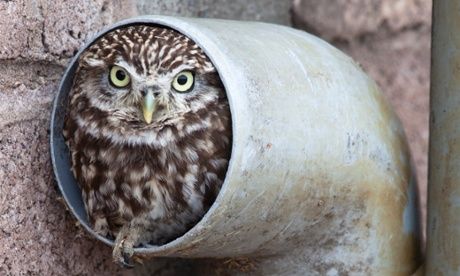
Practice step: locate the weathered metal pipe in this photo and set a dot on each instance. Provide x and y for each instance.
(443, 231)
(319, 180)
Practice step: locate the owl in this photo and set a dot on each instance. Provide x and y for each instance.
(148, 128)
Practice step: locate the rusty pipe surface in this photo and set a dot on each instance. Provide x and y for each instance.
(319, 180)
(443, 225)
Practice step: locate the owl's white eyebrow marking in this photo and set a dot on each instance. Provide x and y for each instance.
(180, 68)
(122, 63)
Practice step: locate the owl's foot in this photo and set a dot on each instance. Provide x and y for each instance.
(123, 251)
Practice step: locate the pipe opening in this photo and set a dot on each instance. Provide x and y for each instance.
(111, 163)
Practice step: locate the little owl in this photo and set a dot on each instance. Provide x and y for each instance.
(149, 131)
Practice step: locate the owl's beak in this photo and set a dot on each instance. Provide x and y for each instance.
(148, 106)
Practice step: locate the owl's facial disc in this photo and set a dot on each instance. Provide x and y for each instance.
(163, 79)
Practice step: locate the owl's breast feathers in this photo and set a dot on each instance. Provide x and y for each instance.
(121, 181)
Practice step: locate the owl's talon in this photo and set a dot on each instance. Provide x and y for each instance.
(126, 262)
(123, 253)
(127, 253)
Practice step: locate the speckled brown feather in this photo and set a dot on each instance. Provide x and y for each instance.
(158, 178)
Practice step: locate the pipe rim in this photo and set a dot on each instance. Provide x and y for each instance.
(57, 144)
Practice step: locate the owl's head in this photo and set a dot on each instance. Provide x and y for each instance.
(139, 79)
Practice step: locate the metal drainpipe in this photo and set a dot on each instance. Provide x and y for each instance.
(319, 180)
(443, 231)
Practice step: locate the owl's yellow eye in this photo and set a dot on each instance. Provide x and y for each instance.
(183, 82)
(119, 77)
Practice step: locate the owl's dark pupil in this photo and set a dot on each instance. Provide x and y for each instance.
(120, 74)
(182, 79)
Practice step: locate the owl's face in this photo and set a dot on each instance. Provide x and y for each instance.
(136, 81)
